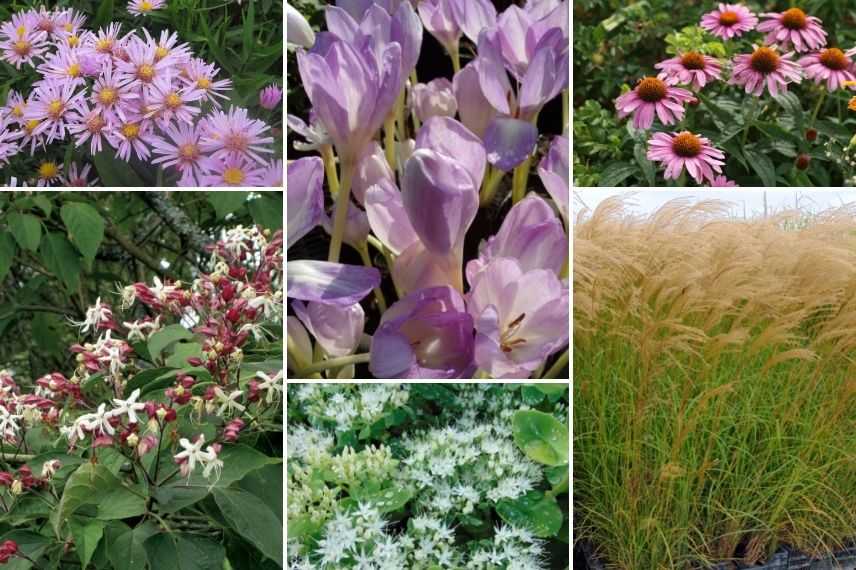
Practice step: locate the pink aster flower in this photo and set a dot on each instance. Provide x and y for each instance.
(145, 7)
(167, 101)
(166, 47)
(795, 27)
(201, 75)
(52, 103)
(722, 182)
(64, 65)
(273, 175)
(270, 96)
(765, 67)
(21, 44)
(113, 94)
(729, 21)
(233, 171)
(69, 21)
(14, 108)
(686, 149)
(691, 68)
(180, 149)
(90, 125)
(831, 65)
(142, 64)
(132, 135)
(8, 148)
(234, 134)
(78, 178)
(101, 45)
(652, 96)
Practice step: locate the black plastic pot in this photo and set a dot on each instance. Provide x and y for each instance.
(782, 560)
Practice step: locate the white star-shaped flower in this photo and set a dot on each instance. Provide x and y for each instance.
(228, 402)
(129, 406)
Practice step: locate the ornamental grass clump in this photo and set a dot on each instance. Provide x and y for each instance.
(714, 384)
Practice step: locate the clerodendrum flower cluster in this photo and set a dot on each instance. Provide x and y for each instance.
(130, 93)
(446, 147)
(230, 306)
(770, 67)
(463, 467)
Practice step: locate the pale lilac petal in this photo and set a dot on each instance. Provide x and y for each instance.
(473, 16)
(475, 111)
(304, 196)
(509, 142)
(328, 282)
(388, 218)
(447, 136)
(338, 329)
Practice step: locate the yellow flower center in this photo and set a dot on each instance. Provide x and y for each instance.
(18, 111)
(173, 101)
(189, 151)
(95, 124)
(74, 70)
(104, 45)
(55, 109)
(236, 142)
(160, 53)
(107, 96)
(146, 72)
(22, 47)
(686, 145)
(48, 170)
(131, 130)
(31, 125)
(73, 41)
(651, 89)
(145, 6)
(233, 176)
(67, 26)
(203, 83)
(21, 31)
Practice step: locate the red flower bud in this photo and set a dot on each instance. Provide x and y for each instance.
(803, 161)
(811, 135)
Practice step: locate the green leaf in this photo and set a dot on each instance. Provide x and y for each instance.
(127, 551)
(181, 352)
(146, 377)
(184, 552)
(104, 15)
(535, 511)
(763, 166)
(96, 485)
(85, 228)
(61, 259)
(616, 173)
(646, 165)
(27, 230)
(266, 483)
(43, 204)
(226, 202)
(115, 172)
(165, 337)
(249, 24)
(7, 254)
(542, 437)
(87, 534)
(250, 517)
(552, 389)
(531, 395)
(238, 461)
(266, 212)
(791, 103)
(388, 500)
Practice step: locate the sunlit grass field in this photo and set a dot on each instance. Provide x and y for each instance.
(715, 385)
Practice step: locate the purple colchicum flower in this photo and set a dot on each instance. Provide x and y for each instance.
(305, 197)
(337, 329)
(297, 30)
(427, 334)
(372, 168)
(521, 318)
(531, 234)
(433, 99)
(439, 20)
(474, 109)
(351, 91)
(554, 171)
(326, 282)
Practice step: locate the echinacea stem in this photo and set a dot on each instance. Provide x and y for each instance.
(341, 216)
(389, 140)
(316, 367)
(367, 261)
(489, 185)
(520, 180)
(817, 107)
(329, 159)
(557, 366)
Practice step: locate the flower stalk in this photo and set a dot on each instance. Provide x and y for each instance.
(341, 216)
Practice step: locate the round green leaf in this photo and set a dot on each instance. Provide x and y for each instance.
(542, 437)
(535, 511)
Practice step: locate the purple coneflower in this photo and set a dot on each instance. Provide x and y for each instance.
(795, 27)
(685, 149)
(180, 149)
(234, 171)
(145, 7)
(651, 96)
(52, 102)
(722, 182)
(691, 68)
(729, 21)
(831, 65)
(765, 67)
(235, 134)
(167, 102)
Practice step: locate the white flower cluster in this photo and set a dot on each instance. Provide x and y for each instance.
(346, 404)
(98, 422)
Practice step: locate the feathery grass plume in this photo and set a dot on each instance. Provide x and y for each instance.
(715, 406)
